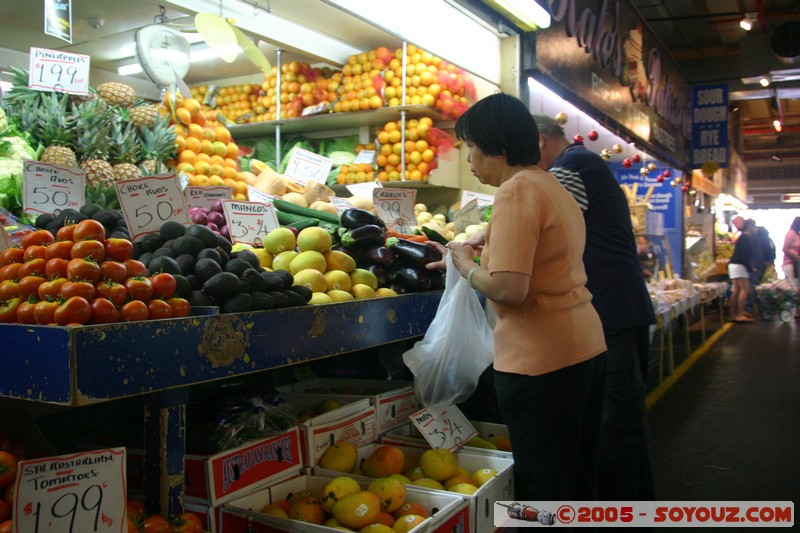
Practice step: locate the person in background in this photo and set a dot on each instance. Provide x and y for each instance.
(756, 272)
(620, 295)
(791, 254)
(647, 259)
(549, 350)
(740, 266)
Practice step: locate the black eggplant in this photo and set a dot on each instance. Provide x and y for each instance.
(362, 237)
(379, 255)
(380, 274)
(437, 276)
(355, 218)
(415, 253)
(415, 279)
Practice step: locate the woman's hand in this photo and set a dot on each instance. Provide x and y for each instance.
(463, 256)
(442, 250)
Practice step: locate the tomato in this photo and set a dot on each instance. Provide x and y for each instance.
(34, 267)
(83, 270)
(180, 307)
(89, 249)
(134, 310)
(135, 268)
(158, 309)
(114, 271)
(135, 509)
(118, 249)
(187, 523)
(8, 468)
(115, 292)
(40, 236)
(29, 286)
(103, 311)
(62, 249)
(50, 290)
(34, 252)
(156, 524)
(9, 289)
(75, 310)
(25, 311)
(164, 285)
(139, 288)
(132, 527)
(55, 268)
(65, 233)
(84, 289)
(43, 312)
(8, 311)
(5, 511)
(11, 255)
(10, 271)
(14, 447)
(7, 526)
(89, 230)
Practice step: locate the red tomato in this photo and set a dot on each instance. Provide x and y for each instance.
(115, 292)
(11, 255)
(83, 270)
(114, 271)
(84, 289)
(29, 286)
(34, 252)
(134, 310)
(8, 468)
(135, 268)
(34, 267)
(7, 526)
(10, 271)
(132, 527)
(139, 288)
(50, 290)
(40, 236)
(187, 523)
(89, 249)
(55, 268)
(62, 249)
(118, 249)
(9, 289)
(8, 311)
(164, 285)
(103, 311)
(135, 509)
(43, 312)
(65, 233)
(155, 524)
(76, 310)
(25, 311)
(89, 230)
(180, 307)
(158, 309)
(5, 511)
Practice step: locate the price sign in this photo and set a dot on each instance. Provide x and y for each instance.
(254, 195)
(147, 203)
(365, 157)
(49, 188)
(443, 427)
(77, 493)
(396, 207)
(305, 166)
(341, 204)
(483, 200)
(364, 190)
(5, 240)
(53, 70)
(249, 222)
(205, 195)
(468, 215)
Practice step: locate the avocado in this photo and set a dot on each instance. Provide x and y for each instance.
(249, 256)
(171, 230)
(195, 281)
(223, 243)
(163, 263)
(198, 299)
(287, 277)
(210, 253)
(119, 234)
(68, 216)
(151, 242)
(251, 276)
(90, 209)
(244, 286)
(186, 244)
(279, 299)
(204, 233)
(261, 301)
(206, 268)
(43, 220)
(241, 303)
(145, 258)
(107, 217)
(182, 285)
(237, 266)
(303, 291)
(53, 227)
(223, 284)
(186, 262)
(164, 250)
(274, 281)
(294, 298)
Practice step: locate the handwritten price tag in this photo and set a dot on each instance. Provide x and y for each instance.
(249, 222)
(305, 166)
(204, 196)
(49, 188)
(53, 70)
(444, 427)
(469, 214)
(396, 207)
(365, 157)
(483, 200)
(147, 203)
(254, 195)
(71, 493)
(341, 204)
(364, 190)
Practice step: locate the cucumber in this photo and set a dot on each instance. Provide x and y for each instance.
(288, 207)
(304, 223)
(434, 235)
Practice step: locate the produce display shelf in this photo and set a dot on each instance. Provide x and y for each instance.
(89, 364)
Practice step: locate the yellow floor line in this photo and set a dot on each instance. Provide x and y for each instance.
(670, 380)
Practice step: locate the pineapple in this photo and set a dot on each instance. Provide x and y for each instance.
(157, 145)
(20, 97)
(145, 115)
(55, 130)
(118, 94)
(92, 143)
(124, 147)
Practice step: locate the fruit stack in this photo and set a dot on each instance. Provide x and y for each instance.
(420, 152)
(363, 78)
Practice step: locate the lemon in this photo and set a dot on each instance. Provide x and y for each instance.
(308, 259)
(279, 240)
(313, 279)
(338, 280)
(314, 238)
(283, 260)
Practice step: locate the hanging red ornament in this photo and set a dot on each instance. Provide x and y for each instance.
(627, 163)
(667, 173)
(593, 135)
(660, 178)
(636, 158)
(685, 187)
(578, 138)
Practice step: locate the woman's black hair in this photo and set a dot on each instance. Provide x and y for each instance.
(796, 224)
(500, 124)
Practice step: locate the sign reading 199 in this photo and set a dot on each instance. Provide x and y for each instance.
(147, 203)
(64, 512)
(56, 72)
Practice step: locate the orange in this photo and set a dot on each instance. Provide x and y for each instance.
(240, 187)
(180, 143)
(187, 156)
(208, 133)
(215, 159)
(424, 168)
(183, 115)
(204, 157)
(180, 130)
(383, 137)
(393, 159)
(206, 147)
(381, 160)
(390, 126)
(192, 105)
(228, 162)
(410, 146)
(195, 130)
(422, 145)
(219, 148)
(232, 150)
(375, 102)
(383, 461)
(228, 182)
(216, 169)
(201, 179)
(186, 168)
(222, 134)
(202, 167)
(428, 155)
(229, 173)
(215, 181)
(193, 144)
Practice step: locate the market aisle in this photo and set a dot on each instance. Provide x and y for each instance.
(729, 428)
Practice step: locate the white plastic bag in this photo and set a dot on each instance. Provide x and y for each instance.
(457, 347)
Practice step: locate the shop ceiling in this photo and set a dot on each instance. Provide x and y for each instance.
(703, 36)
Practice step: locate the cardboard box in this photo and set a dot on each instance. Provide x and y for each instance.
(481, 504)
(220, 477)
(394, 401)
(353, 422)
(452, 511)
(408, 436)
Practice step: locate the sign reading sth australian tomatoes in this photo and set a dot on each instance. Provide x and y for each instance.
(443, 427)
(49, 188)
(249, 222)
(147, 203)
(78, 493)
